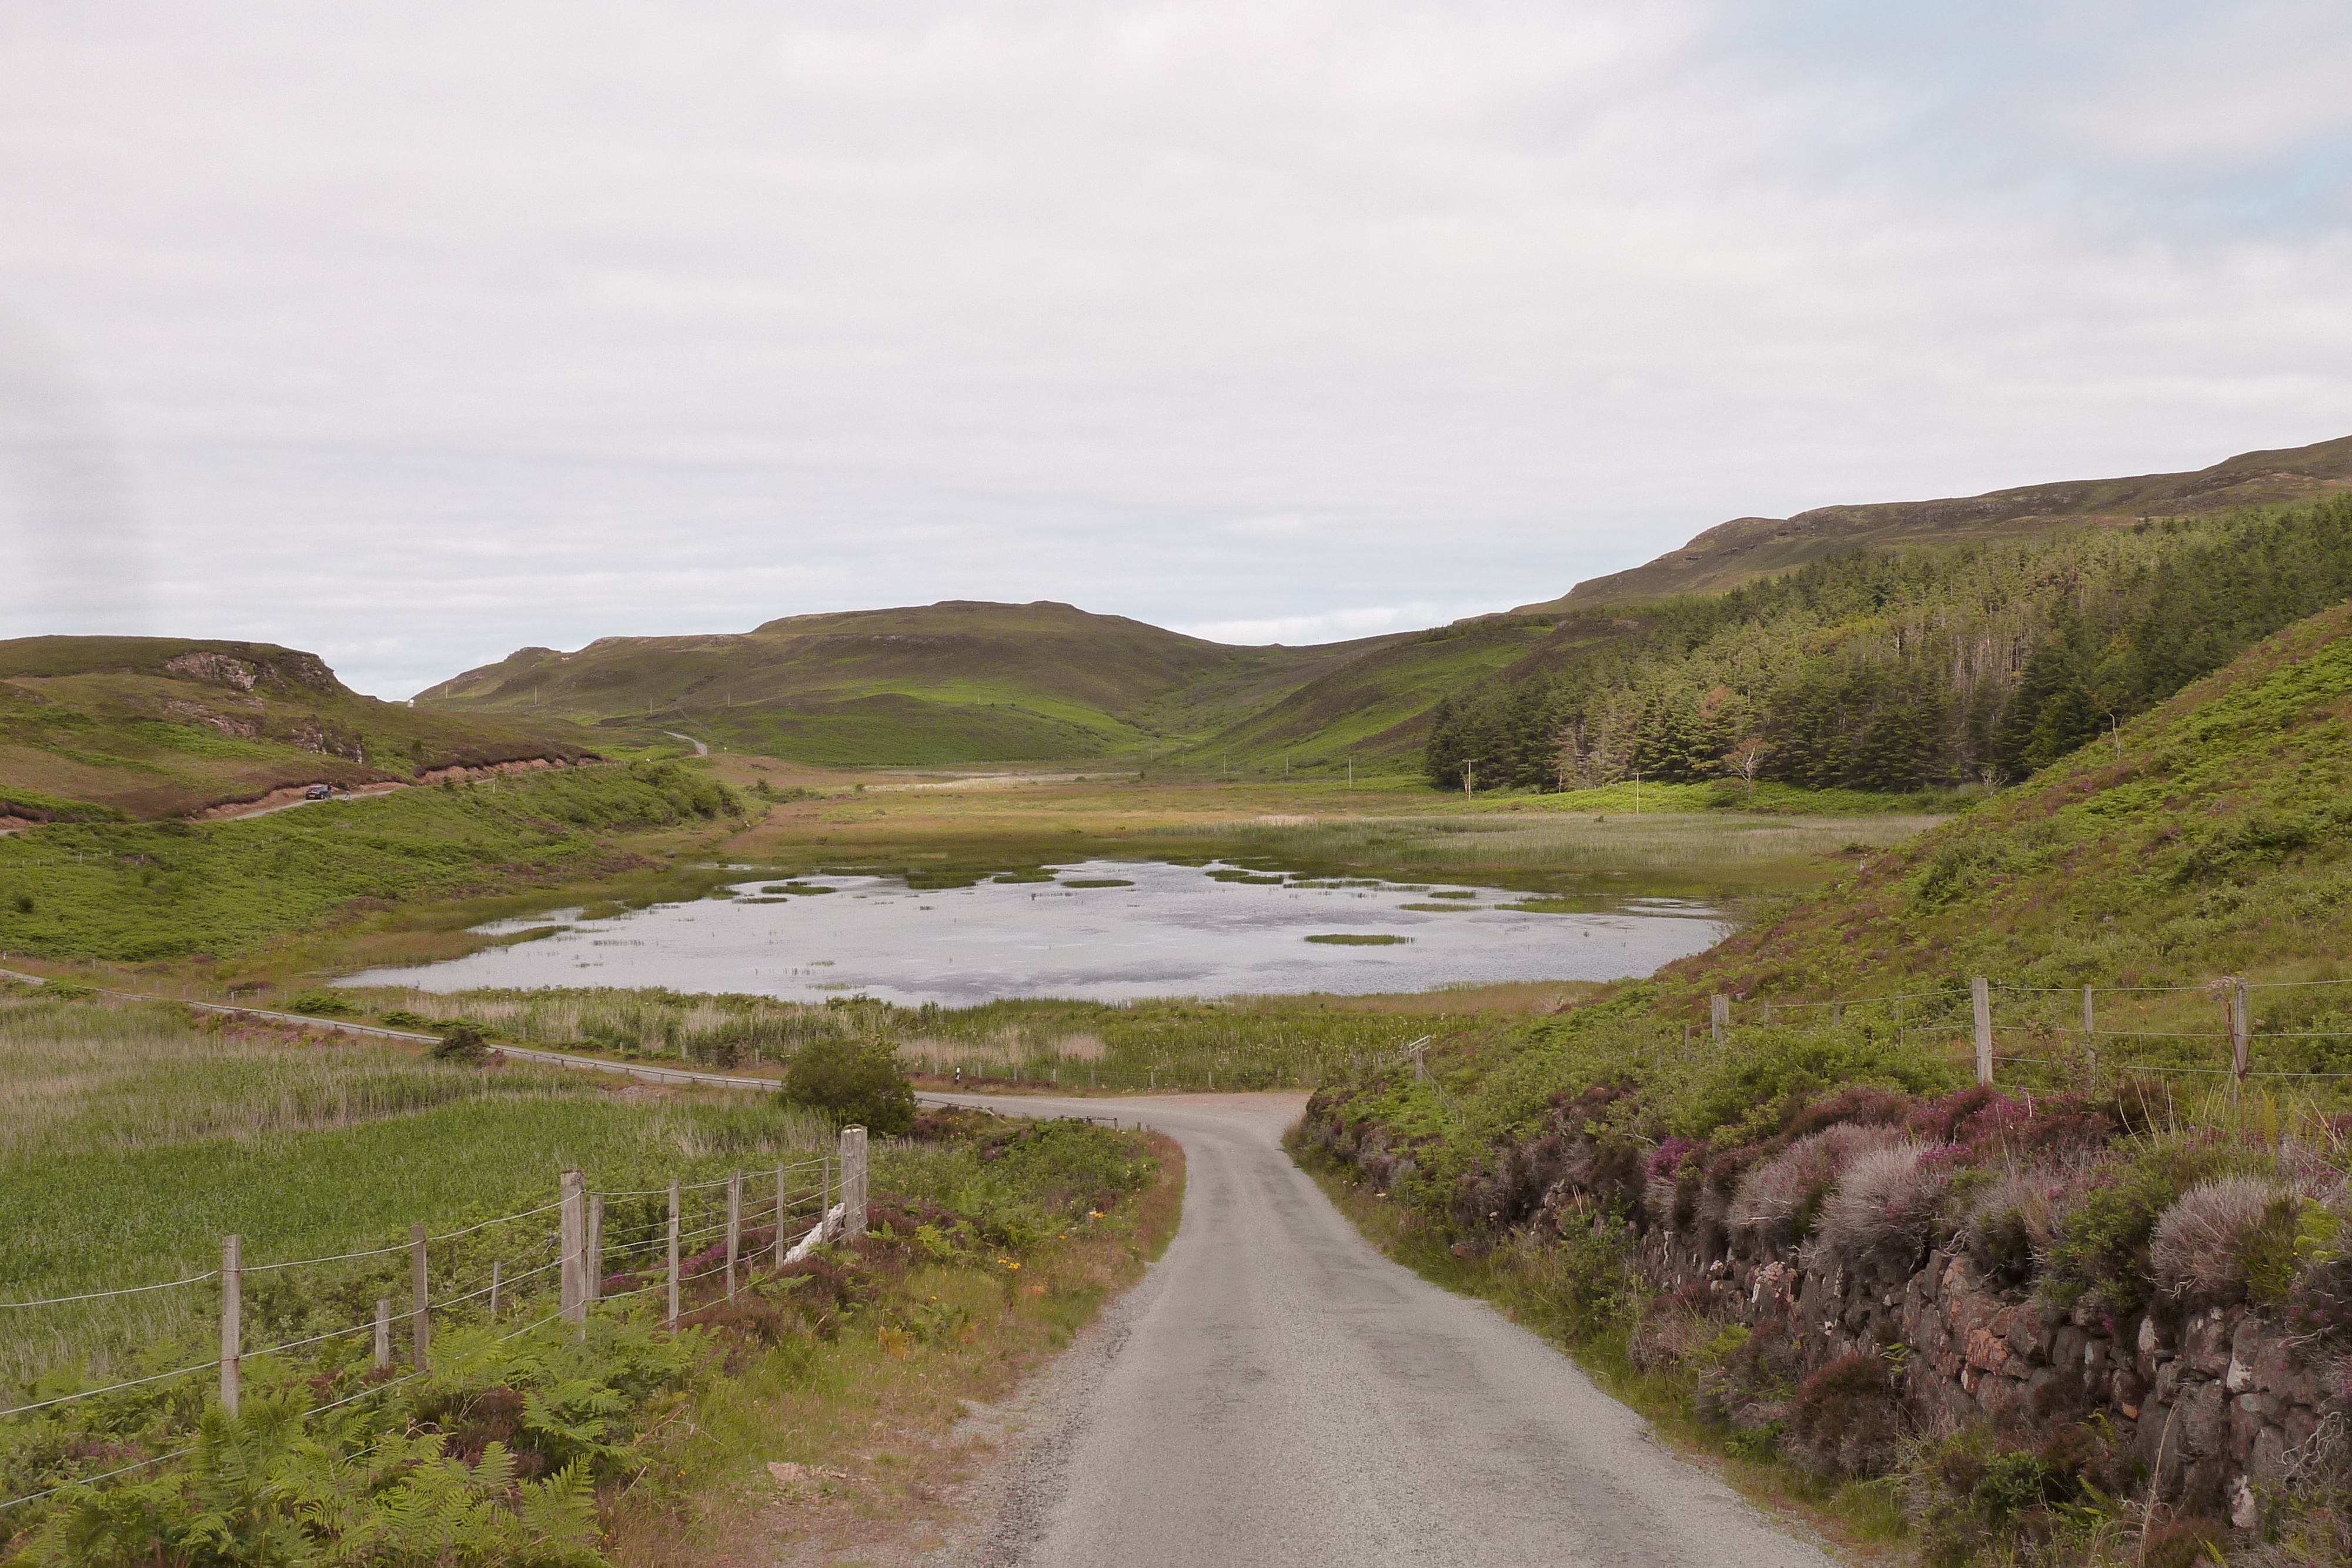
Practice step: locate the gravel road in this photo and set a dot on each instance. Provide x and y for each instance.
(1275, 1391)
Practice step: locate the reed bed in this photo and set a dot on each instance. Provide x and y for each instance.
(1677, 842)
(131, 1142)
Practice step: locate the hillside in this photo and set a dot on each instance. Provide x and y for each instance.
(2107, 1286)
(1746, 548)
(2209, 837)
(955, 682)
(98, 727)
(1899, 640)
(1896, 671)
(1375, 705)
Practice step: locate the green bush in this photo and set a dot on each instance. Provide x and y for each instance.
(1779, 1065)
(463, 1042)
(323, 1004)
(855, 1083)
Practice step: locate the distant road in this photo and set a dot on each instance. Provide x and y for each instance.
(1277, 1392)
(699, 749)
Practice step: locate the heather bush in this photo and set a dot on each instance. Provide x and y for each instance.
(2099, 1249)
(1843, 1419)
(2218, 1235)
(1781, 1200)
(1885, 1206)
(2010, 1222)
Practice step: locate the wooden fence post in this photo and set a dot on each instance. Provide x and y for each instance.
(2090, 1014)
(853, 1182)
(593, 1277)
(573, 1234)
(383, 1333)
(778, 1248)
(2239, 1027)
(420, 1279)
(497, 1272)
(734, 1226)
(824, 1198)
(232, 1360)
(1719, 1015)
(1686, 1031)
(673, 1257)
(1981, 998)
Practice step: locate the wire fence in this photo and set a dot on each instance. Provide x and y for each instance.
(705, 1238)
(1977, 1009)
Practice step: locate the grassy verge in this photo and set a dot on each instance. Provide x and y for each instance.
(526, 1443)
(1585, 1304)
(867, 1422)
(1070, 1047)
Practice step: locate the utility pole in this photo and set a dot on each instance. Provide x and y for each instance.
(1469, 778)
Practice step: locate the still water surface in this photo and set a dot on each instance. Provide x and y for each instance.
(1164, 930)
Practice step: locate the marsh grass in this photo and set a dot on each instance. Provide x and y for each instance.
(1684, 842)
(131, 1142)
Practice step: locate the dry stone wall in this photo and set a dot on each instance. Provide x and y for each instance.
(2221, 1407)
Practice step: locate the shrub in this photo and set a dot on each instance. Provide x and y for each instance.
(1779, 1200)
(2208, 1243)
(1843, 1419)
(857, 1083)
(2100, 1248)
(1885, 1206)
(325, 1004)
(1781, 1067)
(462, 1041)
(2011, 1223)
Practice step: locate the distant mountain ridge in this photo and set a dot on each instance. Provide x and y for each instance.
(1746, 549)
(966, 681)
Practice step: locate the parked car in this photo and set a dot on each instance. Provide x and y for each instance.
(319, 792)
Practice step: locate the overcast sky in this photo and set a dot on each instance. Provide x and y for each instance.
(412, 334)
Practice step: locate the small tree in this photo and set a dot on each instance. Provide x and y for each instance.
(1746, 759)
(854, 1082)
(462, 1042)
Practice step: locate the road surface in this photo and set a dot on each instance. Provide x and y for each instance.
(1275, 1391)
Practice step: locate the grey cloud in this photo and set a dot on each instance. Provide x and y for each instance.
(433, 331)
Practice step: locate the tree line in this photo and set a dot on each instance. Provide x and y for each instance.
(1909, 670)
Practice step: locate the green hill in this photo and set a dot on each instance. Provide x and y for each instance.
(1746, 549)
(1924, 667)
(1881, 647)
(93, 728)
(1376, 705)
(955, 682)
(2210, 836)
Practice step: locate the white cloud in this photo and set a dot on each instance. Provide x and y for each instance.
(430, 331)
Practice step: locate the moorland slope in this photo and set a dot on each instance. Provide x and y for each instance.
(1746, 549)
(963, 682)
(955, 682)
(93, 728)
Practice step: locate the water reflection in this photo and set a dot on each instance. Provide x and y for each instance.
(1098, 930)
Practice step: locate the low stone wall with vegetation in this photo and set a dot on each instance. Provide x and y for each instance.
(2070, 1329)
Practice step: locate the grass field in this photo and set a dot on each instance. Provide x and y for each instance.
(172, 890)
(131, 1142)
